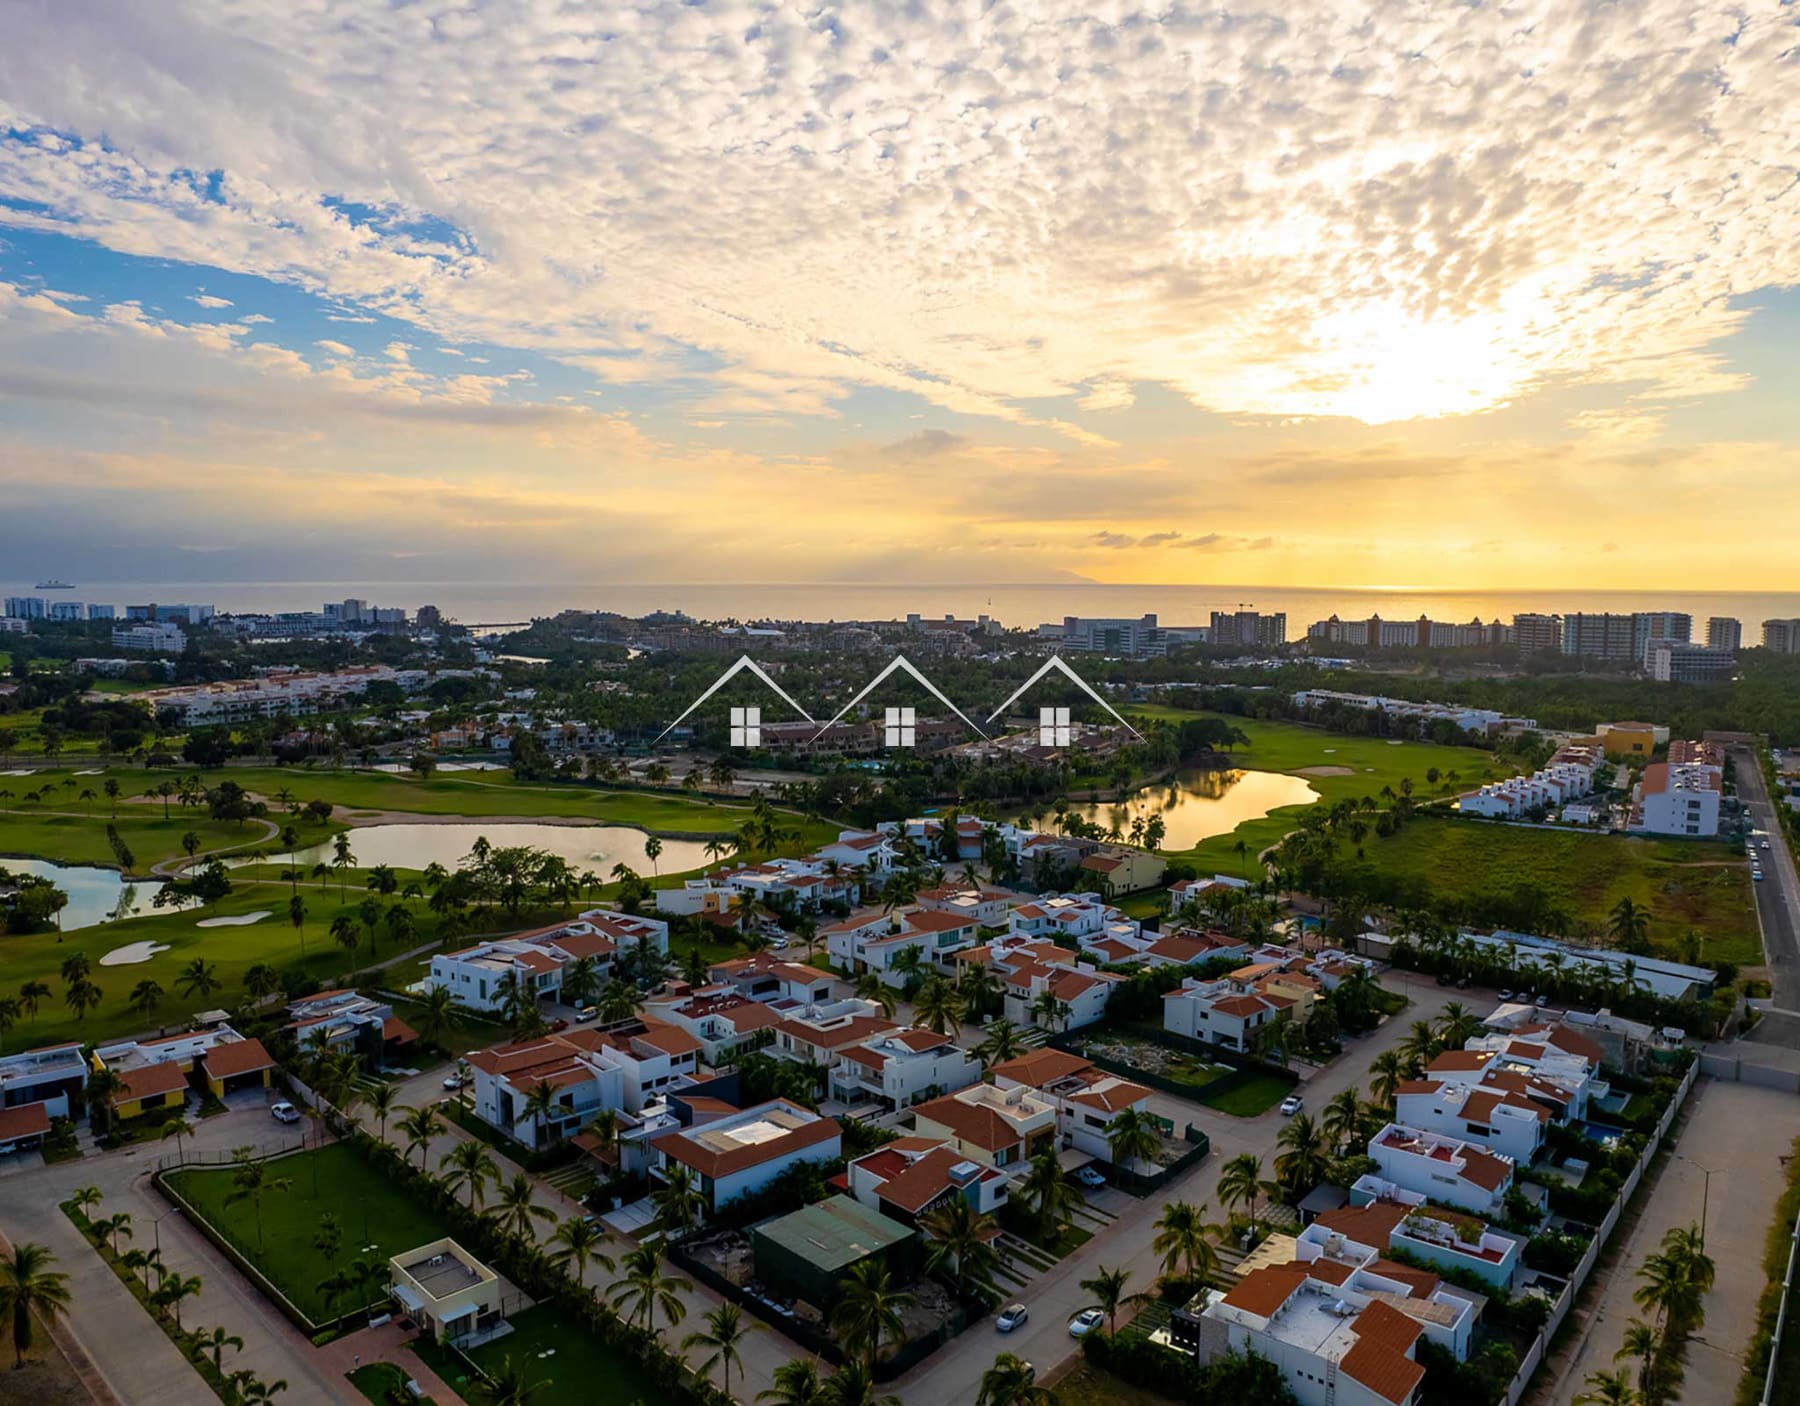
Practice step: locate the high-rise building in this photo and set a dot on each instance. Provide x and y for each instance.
(25, 607)
(1600, 636)
(1671, 661)
(101, 612)
(428, 617)
(1249, 627)
(1725, 634)
(1536, 634)
(1127, 639)
(1648, 625)
(65, 610)
(1782, 636)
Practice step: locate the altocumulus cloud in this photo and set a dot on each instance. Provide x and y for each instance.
(1389, 210)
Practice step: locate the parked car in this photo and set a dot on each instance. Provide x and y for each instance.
(584, 1014)
(1013, 1316)
(1756, 874)
(1506, 995)
(1291, 1105)
(1091, 1178)
(284, 1112)
(456, 1080)
(1085, 1322)
(778, 943)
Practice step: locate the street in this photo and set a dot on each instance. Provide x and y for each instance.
(1777, 905)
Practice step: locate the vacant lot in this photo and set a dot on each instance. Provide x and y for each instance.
(377, 1220)
(1485, 871)
(575, 1367)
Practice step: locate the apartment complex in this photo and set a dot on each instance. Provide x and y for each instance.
(1249, 627)
(1677, 799)
(1724, 633)
(1486, 721)
(1119, 638)
(1670, 661)
(1781, 636)
(1423, 633)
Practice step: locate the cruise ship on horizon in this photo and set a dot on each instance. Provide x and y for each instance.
(53, 584)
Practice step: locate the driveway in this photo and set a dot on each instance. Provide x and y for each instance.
(1741, 1132)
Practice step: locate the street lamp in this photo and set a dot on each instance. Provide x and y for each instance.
(1705, 1189)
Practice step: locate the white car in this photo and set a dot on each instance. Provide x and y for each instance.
(1085, 1322)
(1291, 1105)
(456, 1080)
(1012, 1316)
(584, 1014)
(1756, 874)
(778, 943)
(284, 1112)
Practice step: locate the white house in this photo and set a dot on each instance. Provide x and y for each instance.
(48, 1075)
(725, 1023)
(1217, 1011)
(1087, 1100)
(911, 1177)
(1497, 1118)
(1000, 1128)
(901, 1067)
(876, 942)
(770, 977)
(1389, 1217)
(1677, 800)
(741, 1153)
(1446, 1169)
(484, 975)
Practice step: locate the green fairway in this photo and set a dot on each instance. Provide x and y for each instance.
(47, 831)
(576, 1369)
(377, 1220)
(1480, 870)
(1370, 763)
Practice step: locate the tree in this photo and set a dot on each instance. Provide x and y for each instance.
(344, 932)
(868, 1310)
(853, 1384)
(870, 987)
(328, 1239)
(199, 978)
(515, 1208)
(437, 1015)
(190, 843)
(251, 1182)
(936, 1005)
(173, 1289)
(216, 1342)
(579, 1240)
(112, 1227)
(1642, 1342)
(81, 997)
(381, 1100)
(1628, 926)
(261, 981)
(509, 1386)
(1050, 1009)
(30, 1289)
(1108, 1290)
(1341, 1121)
(30, 994)
(1241, 1184)
(297, 916)
(1301, 1161)
(1000, 1042)
(653, 848)
(1608, 1389)
(1385, 1077)
(725, 1329)
(960, 1247)
(797, 1383)
(146, 996)
(1011, 1381)
(646, 1288)
(419, 1126)
(1183, 1240)
(678, 1202)
(1050, 1194)
(469, 1165)
(1133, 1136)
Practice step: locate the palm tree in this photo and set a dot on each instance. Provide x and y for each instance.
(1608, 1389)
(216, 1342)
(1133, 1136)
(1629, 927)
(870, 987)
(679, 1204)
(1241, 1184)
(1457, 1025)
(437, 1015)
(249, 1390)
(1050, 1194)
(603, 1128)
(853, 1384)
(30, 994)
(647, 1288)
(1011, 1381)
(173, 1289)
(959, 1246)
(469, 1165)
(261, 980)
(725, 1329)
(515, 1209)
(868, 1310)
(419, 1126)
(30, 1289)
(508, 1386)
(342, 859)
(579, 1240)
(146, 996)
(1341, 1120)
(112, 1227)
(1301, 1162)
(199, 978)
(1002, 1041)
(251, 1183)
(1108, 1288)
(1642, 1342)
(86, 1197)
(936, 1005)
(1384, 1078)
(796, 1384)
(1182, 1239)
(1050, 1009)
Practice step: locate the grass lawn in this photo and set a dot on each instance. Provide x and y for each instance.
(1250, 1098)
(575, 1367)
(1682, 884)
(378, 1379)
(1372, 763)
(1087, 1385)
(378, 1220)
(79, 839)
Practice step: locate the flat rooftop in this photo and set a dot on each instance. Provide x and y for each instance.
(774, 1123)
(441, 1273)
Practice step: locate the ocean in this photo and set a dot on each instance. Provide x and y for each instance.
(1021, 606)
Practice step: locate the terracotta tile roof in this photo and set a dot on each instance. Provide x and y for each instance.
(1069, 984)
(855, 1031)
(979, 1123)
(924, 1180)
(1420, 1283)
(1240, 1006)
(665, 1039)
(1370, 1225)
(715, 1163)
(24, 1120)
(1109, 1094)
(223, 1061)
(1484, 1169)
(1378, 1358)
(936, 920)
(1570, 1042)
(918, 1040)
(1041, 1066)
(397, 1030)
(149, 1081)
(1329, 1271)
(1263, 1291)
(1179, 949)
(1460, 1061)
(1407, 1087)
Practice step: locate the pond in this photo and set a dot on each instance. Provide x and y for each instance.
(1202, 802)
(597, 847)
(93, 891)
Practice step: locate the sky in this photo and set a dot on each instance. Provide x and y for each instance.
(1360, 294)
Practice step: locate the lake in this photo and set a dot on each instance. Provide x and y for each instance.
(93, 891)
(1204, 801)
(414, 846)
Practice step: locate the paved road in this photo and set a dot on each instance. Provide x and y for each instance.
(1741, 1132)
(1777, 905)
(136, 1359)
(953, 1374)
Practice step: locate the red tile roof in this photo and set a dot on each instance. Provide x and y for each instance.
(149, 1081)
(1263, 1291)
(225, 1061)
(1042, 1066)
(24, 1120)
(716, 1163)
(1378, 1359)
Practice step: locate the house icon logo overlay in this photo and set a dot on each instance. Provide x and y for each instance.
(900, 724)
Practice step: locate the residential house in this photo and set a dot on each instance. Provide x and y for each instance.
(726, 1024)
(1220, 1012)
(347, 1020)
(911, 1177)
(1087, 1100)
(901, 1067)
(1447, 1169)
(489, 975)
(449, 1293)
(24, 1126)
(818, 1034)
(53, 1075)
(771, 978)
(1001, 1128)
(879, 942)
(1118, 870)
(1080, 992)
(987, 906)
(741, 1153)
(155, 1073)
(1389, 1217)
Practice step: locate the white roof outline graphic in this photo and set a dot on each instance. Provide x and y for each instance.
(1055, 661)
(744, 661)
(900, 661)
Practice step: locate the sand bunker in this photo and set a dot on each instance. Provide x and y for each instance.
(133, 953)
(241, 920)
(1325, 771)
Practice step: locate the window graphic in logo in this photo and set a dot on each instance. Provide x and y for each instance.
(899, 730)
(900, 725)
(1055, 664)
(746, 727)
(1054, 728)
(746, 723)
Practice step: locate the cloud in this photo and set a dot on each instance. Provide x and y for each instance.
(925, 444)
(990, 207)
(255, 317)
(208, 300)
(334, 348)
(1113, 541)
